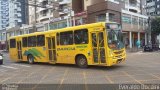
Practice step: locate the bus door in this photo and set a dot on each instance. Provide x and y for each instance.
(98, 47)
(52, 49)
(19, 49)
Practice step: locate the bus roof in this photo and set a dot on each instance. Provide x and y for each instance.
(62, 29)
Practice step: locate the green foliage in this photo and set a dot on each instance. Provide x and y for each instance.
(155, 25)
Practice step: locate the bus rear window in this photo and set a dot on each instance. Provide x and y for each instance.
(12, 43)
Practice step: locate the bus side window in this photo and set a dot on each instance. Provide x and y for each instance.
(32, 41)
(81, 36)
(58, 38)
(40, 40)
(66, 38)
(24, 41)
(12, 43)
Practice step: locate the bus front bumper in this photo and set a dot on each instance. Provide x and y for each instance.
(115, 61)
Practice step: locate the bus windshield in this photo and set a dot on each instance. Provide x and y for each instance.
(115, 36)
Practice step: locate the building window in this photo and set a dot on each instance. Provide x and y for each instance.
(111, 17)
(126, 19)
(101, 17)
(134, 20)
(81, 36)
(141, 21)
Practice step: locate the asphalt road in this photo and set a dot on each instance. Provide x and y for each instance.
(139, 68)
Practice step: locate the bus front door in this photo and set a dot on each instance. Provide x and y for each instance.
(19, 50)
(52, 49)
(98, 47)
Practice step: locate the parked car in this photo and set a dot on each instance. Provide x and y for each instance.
(148, 48)
(151, 47)
(1, 58)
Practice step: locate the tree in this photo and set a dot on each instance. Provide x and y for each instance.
(155, 26)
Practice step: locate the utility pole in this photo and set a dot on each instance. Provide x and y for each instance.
(35, 16)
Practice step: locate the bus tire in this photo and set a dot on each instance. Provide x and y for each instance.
(81, 61)
(30, 59)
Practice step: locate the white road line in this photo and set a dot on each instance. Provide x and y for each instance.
(8, 67)
(21, 65)
(2, 70)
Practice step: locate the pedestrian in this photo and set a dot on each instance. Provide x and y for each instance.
(138, 43)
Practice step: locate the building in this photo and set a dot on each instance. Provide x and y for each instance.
(105, 11)
(134, 23)
(153, 10)
(4, 18)
(153, 7)
(14, 13)
(18, 13)
(45, 10)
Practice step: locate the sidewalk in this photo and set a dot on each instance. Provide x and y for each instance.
(133, 50)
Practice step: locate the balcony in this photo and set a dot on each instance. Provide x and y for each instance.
(19, 14)
(40, 10)
(150, 4)
(18, 9)
(61, 2)
(41, 18)
(42, 0)
(133, 7)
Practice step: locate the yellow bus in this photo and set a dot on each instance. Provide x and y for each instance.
(91, 44)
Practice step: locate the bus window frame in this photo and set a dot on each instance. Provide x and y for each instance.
(26, 41)
(58, 38)
(37, 44)
(87, 36)
(67, 42)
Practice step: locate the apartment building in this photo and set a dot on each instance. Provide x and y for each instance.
(4, 18)
(14, 13)
(18, 13)
(45, 10)
(153, 7)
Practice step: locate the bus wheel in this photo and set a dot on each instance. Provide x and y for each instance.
(82, 62)
(30, 59)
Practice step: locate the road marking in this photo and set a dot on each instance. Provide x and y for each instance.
(8, 67)
(131, 77)
(21, 65)
(3, 70)
(84, 75)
